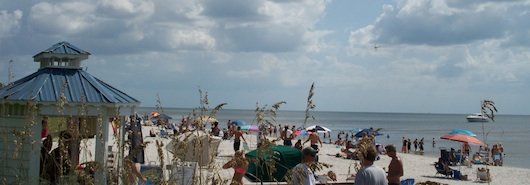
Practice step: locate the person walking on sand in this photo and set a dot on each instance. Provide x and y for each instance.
(240, 165)
(433, 142)
(302, 174)
(370, 174)
(238, 136)
(395, 168)
(314, 138)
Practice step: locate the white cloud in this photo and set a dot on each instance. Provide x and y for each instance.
(62, 18)
(435, 22)
(183, 39)
(10, 22)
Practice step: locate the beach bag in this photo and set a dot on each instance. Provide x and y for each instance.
(245, 146)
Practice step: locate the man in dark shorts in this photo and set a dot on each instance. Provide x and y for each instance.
(287, 135)
(314, 138)
(238, 135)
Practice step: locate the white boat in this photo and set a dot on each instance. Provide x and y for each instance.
(477, 117)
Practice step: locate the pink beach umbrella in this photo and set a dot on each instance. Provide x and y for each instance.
(251, 128)
(462, 138)
(302, 133)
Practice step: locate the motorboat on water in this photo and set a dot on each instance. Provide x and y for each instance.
(477, 117)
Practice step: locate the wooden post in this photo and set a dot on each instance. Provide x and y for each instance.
(101, 146)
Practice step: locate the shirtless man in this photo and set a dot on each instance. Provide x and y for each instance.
(314, 138)
(238, 135)
(395, 168)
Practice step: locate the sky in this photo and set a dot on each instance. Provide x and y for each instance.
(429, 56)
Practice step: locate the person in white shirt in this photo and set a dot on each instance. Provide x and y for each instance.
(370, 174)
(287, 135)
(302, 174)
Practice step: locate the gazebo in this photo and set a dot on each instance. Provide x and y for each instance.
(59, 90)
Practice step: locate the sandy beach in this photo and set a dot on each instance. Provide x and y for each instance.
(419, 167)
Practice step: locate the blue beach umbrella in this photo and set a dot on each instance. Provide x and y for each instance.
(368, 131)
(462, 131)
(318, 128)
(239, 122)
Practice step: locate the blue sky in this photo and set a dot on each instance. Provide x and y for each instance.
(433, 56)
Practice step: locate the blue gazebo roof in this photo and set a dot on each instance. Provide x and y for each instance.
(64, 48)
(47, 84)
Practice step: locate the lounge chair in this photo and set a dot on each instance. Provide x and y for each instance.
(441, 170)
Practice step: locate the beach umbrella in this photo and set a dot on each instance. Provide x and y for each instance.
(302, 133)
(368, 131)
(462, 138)
(239, 122)
(462, 131)
(318, 128)
(251, 128)
(161, 117)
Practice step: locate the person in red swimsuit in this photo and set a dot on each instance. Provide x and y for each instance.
(44, 131)
(240, 165)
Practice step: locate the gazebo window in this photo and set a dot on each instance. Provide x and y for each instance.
(12, 110)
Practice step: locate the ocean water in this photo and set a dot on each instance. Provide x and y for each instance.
(510, 130)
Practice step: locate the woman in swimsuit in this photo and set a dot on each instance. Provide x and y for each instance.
(240, 165)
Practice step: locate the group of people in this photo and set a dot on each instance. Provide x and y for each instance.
(369, 173)
(407, 145)
(493, 156)
(62, 160)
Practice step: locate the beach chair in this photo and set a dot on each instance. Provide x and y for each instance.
(163, 133)
(440, 170)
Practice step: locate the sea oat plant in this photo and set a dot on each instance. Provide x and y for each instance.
(197, 119)
(265, 159)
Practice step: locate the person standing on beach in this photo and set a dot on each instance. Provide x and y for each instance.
(287, 136)
(433, 142)
(421, 144)
(238, 135)
(302, 174)
(370, 174)
(314, 138)
(408, 145)
(416, 144)
(404, 146)
(44, 131)
(395, 168)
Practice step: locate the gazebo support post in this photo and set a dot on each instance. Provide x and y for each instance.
(34, 154)
(102, 140)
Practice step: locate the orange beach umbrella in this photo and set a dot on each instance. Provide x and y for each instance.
(462, 138)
